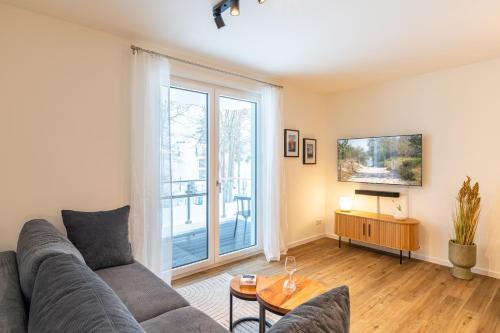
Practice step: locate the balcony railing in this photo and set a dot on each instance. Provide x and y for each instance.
(197, 188)
(186, 192)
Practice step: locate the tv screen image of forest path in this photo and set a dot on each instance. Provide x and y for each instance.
(394, 160)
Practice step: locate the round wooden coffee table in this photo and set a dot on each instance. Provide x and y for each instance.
(272, 297)
(247, 293)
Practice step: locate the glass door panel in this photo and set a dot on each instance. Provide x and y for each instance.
(189, 159)
(236, 147)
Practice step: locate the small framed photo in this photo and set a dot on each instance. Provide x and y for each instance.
(309, 154)
(291, 143)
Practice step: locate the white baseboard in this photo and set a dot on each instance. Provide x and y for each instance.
(434, 260)
(443, 262)
(305, 240)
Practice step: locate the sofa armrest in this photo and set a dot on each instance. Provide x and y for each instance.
(13, 317)
(327, 313)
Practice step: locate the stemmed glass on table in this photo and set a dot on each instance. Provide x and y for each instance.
(290, 267)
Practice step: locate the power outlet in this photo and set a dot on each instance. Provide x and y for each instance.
(319, 221)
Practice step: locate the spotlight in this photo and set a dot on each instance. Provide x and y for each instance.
(222, 6)
(235, 8)
(219, 22)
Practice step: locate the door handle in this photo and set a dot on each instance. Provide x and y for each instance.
(363, 229)
(217, 183)
(369, 230)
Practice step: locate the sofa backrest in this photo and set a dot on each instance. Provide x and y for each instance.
(69, 297)
(13, 316)
(38, 241)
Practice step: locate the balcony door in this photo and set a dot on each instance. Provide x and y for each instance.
(236, 156)
(213, 153)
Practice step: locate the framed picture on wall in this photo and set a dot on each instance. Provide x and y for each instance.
(309, 153)
(291, 143)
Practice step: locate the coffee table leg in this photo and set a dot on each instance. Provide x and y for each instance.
(230, 312)
(262, 319)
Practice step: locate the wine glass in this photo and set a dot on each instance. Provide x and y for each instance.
(291, 268)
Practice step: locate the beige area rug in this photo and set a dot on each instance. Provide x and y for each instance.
(212, 297)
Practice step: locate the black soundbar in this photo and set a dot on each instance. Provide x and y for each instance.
(378, 193)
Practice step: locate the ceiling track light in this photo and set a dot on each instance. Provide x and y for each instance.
(221, 7)
(235, 8)
(219, 22)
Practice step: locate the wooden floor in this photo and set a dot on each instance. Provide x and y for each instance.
(416, 296)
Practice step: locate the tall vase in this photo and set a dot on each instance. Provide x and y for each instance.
(463, 258)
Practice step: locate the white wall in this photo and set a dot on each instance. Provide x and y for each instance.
(64, 125)
(63, 120)
(458, 113)
(306, 184)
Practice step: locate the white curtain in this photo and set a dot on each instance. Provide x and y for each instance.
(151, 216)
(273, 192)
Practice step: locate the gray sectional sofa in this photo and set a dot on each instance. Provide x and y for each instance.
(47, 287)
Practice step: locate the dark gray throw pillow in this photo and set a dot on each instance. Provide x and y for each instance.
(327, 313)
(101, 237)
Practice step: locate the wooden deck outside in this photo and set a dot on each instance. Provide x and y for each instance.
(191, 247)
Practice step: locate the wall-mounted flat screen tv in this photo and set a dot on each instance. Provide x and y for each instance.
(393, 160)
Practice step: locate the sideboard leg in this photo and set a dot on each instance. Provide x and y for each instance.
(349, 241)
(340, 240)
(409, 254)
(400, 257)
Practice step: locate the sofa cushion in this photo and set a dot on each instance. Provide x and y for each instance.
(69, 297)
(327, 313)
(38, 241)
(13, 318)
(186, 319)
(101, 237)
(144, 294)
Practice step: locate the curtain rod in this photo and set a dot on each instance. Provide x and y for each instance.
(137, 48)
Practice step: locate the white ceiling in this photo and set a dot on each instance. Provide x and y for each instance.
(329, 45)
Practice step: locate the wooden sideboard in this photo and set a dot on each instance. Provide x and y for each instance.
(378, 229)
